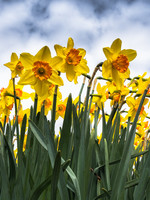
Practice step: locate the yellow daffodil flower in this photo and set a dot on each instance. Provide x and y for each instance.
(61, 108)
(15, 66)
(117, 63)
(6, 101)
(101, 95)
(74, 63)
(40, 70)
(134, 104)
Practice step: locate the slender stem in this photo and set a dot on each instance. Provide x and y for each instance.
(16, 120)
(53, 113)
(81, 92)
(35, 106)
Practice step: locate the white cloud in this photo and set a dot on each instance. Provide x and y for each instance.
(23, 30)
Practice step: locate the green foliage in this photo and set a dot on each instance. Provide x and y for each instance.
(75, 166)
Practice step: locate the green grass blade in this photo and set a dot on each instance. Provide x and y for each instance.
(55, 176)
(38, 191)
(38, 134)
(107, 165)
(74, 180)
(139, 192)
(65, 140)
(122, 170)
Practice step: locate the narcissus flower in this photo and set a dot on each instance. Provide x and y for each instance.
(15, 66)
(74, 63)
(6, 100)
(134, 104)
(61, 108)
(117, 64)
(101, 95)
(40, 70)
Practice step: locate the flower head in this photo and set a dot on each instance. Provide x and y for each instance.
(74, 63)
(117, 64)
(15, 66)
(40, 70)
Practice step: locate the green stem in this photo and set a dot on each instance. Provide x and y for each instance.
(35, 106)
(16, 120)
(53, 113)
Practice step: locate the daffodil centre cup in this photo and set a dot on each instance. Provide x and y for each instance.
(19, 66)
(42, 70)
(73, 57)
(121, 63)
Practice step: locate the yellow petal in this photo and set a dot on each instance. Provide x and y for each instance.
(41, 87)
(43, 54)
(107, 69)
(14, 57)
(55, 79)
(130, 53)
(108, 52)
(59, 50)
(82, 67)
(70, 43)
(82, 52)
(98, 88)
(125, 74)
(116, 45)
(11, 65)
(27, 78)
(70, 74)
(116, 78)
(130, 101)
(26, 60)
(56, 63)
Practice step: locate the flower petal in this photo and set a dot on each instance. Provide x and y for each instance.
(41, 87)
(56, 62)
(27, 78)
(14, 57)
(116, 45)
(59, 50)
(11, 65)
(130, 53)
(55, 79)
(82, 67)
(107, 69)
(26, 60)
(82, 52)
(43, 54)
(70, 43)
(108, 52)
(125, 74)
(116, 78)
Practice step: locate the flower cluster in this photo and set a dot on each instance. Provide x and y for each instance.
(43, 73)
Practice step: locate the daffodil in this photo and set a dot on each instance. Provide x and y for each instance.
(6, 100)
(48, 102)
(117, 64)
(61, 108)
(101, 95)
(74, 63)
(134, 104)
(40, 70)
(116, 94)
(15, 66)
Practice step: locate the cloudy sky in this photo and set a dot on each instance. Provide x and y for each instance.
(26, 26)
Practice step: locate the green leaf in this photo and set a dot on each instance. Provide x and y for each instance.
(124, 163)
(38, 134)
(65, 140)
(38, 191)
(139, 192)
(107, 166)
(55, 176)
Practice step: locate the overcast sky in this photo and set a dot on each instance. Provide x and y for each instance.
(26, 26)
